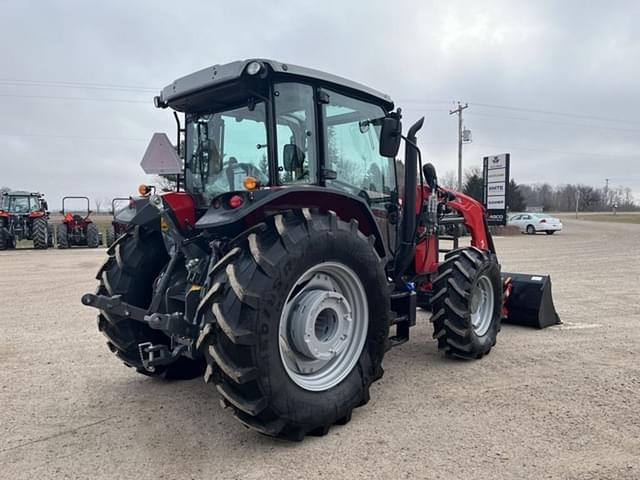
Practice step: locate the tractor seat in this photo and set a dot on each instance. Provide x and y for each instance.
(77, 218)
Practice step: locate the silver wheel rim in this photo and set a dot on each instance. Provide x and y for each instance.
(482, 303)
(323, 326)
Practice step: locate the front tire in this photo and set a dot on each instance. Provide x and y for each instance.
(531, 230)
(130, 271)
(467, 303)
(40, 233)
(300, 270)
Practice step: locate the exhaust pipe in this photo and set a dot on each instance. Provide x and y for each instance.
(529, 301)
(407, 245)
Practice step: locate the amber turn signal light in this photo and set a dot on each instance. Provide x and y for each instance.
(143, 189)
(250, 183)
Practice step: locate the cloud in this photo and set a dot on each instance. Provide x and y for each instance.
(568, 57)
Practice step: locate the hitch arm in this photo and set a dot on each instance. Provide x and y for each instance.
(114, 305)
(170, 323)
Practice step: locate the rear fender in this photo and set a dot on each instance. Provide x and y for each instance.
(260, 204)
(139, 212)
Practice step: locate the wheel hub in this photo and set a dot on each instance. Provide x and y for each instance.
(323, 326)
(481, 306)
(320, 324)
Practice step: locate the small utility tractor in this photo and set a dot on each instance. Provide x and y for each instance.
(291, 247)
(24, 216)
(116, 228)
(75, 229)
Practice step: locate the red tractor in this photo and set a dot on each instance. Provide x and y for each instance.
(116, 228)
(24, 216)
(291, 248)
(75, 229)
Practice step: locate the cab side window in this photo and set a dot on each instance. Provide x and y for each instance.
(296, 133)
(351, 141)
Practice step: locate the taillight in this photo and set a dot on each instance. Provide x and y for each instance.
(543, 221)
(235, 201)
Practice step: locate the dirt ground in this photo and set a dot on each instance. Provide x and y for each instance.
(561, 403)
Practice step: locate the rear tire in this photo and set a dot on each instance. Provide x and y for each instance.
(531, 230)
(62, 236)
(93, 236)
(111, 235)
(130, 271)
(4, 238)
(550, 232)
(259, 288)
(467, 303)
(40, 233)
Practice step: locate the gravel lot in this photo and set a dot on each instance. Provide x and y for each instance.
(559, 403)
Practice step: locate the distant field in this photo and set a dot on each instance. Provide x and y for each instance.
(610, 217)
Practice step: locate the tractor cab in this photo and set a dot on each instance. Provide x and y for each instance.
(23, 203)
(259, 129)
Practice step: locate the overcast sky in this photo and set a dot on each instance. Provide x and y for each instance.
(554, 83)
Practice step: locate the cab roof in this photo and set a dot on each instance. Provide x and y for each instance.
(220, 74)
(21, 193)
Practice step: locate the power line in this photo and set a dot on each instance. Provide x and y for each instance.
(65, 84)
(91, 99)
(550, 112)
(73, 137)
(564, 152)
(531, 110)
(551, 122)
(537, 149)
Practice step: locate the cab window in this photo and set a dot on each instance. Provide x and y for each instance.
(352, 143)
(295, 133)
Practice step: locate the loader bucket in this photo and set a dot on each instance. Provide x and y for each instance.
(529, 302)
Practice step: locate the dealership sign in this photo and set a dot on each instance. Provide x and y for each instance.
(496, 182)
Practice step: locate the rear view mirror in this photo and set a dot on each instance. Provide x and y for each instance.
(292, 157)
(390, 136)
(430, 176)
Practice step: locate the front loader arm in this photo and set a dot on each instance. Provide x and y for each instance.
(475, 218)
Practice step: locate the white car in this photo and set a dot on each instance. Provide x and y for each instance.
(533, 223)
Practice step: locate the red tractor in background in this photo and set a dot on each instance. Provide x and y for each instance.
(116, 228)
(24, 216)
(76, 230)
(292, 247)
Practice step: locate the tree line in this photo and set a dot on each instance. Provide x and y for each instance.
(553, 198)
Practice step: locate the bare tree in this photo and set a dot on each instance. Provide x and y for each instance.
(449, 180)
(98, 203)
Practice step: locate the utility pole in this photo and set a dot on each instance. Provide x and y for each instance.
(459, 112)
(606, 192)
